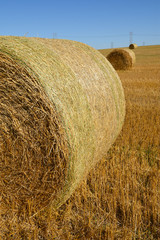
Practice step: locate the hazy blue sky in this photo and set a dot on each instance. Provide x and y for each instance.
(98, 23)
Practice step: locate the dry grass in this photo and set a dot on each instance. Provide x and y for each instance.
(121, 59)
(120, 199)
(31, 138)
(59, 116)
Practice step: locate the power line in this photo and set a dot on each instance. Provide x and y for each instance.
(93, 36)
(149, 35)
(131, 35)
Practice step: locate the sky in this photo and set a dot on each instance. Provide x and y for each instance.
(98, 23)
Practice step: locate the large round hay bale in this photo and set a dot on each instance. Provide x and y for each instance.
(121, 59)
(133, 46)
(62, 106)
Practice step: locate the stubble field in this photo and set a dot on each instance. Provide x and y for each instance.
(120, 199)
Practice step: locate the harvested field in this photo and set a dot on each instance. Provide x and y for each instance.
(120, 199)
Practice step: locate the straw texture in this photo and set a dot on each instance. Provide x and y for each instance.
(122, 59)
(62, 106)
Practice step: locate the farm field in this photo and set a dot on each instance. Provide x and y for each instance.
(120, 199)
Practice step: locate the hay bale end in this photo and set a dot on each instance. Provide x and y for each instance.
(121, 59)
(133, 46)
(62, 107)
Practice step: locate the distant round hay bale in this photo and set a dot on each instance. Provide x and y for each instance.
(133, 46)
(121, 59)
(62, 106)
